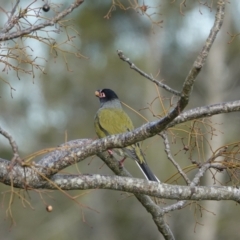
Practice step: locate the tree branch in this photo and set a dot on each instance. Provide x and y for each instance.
(170, 157)
(77, 150)
(13, 144)
(140, 186)
(134, 67)
(206, 111)
(11, 21)
(16, 34)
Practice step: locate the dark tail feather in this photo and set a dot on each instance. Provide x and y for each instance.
(147, 172)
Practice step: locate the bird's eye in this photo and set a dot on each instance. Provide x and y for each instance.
(102, 95)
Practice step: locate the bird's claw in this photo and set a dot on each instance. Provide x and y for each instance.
(121, 163)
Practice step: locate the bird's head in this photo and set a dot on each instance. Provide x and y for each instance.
(107, 96)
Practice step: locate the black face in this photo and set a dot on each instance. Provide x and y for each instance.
(106, 95)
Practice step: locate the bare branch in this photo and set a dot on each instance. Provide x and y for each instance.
(139, 186)
(134, 67)
(10, 23)
(202, 56)
(33, 28)
(170, 157)
(69, 182)
(12, 143)
(206, 111)
(195, 182)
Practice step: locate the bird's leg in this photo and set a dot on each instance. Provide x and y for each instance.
(110, 152)
(121, 163)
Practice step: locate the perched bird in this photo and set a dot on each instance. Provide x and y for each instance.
(110, 119)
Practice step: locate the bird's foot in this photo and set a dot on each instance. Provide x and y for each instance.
(121, 163)
(110, 152)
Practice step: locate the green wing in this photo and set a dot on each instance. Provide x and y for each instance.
(109, 121)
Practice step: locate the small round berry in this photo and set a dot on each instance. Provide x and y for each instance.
(49, 208)
(45, 7)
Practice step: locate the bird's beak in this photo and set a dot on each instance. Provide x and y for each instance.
(97, 93)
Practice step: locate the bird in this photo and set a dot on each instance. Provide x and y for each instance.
(111, 119)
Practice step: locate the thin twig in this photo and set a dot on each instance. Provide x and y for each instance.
(13, 144)
(134, 67)
(51, 22)
(196, 180)
(218, 154)
(170, 157)
(11, 21)
(179, 205)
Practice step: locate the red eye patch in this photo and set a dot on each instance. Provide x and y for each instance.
(100, 94)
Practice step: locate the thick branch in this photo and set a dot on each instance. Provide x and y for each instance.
(140, 186)
(136, 186)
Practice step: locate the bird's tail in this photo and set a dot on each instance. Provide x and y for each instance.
(147, 172)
